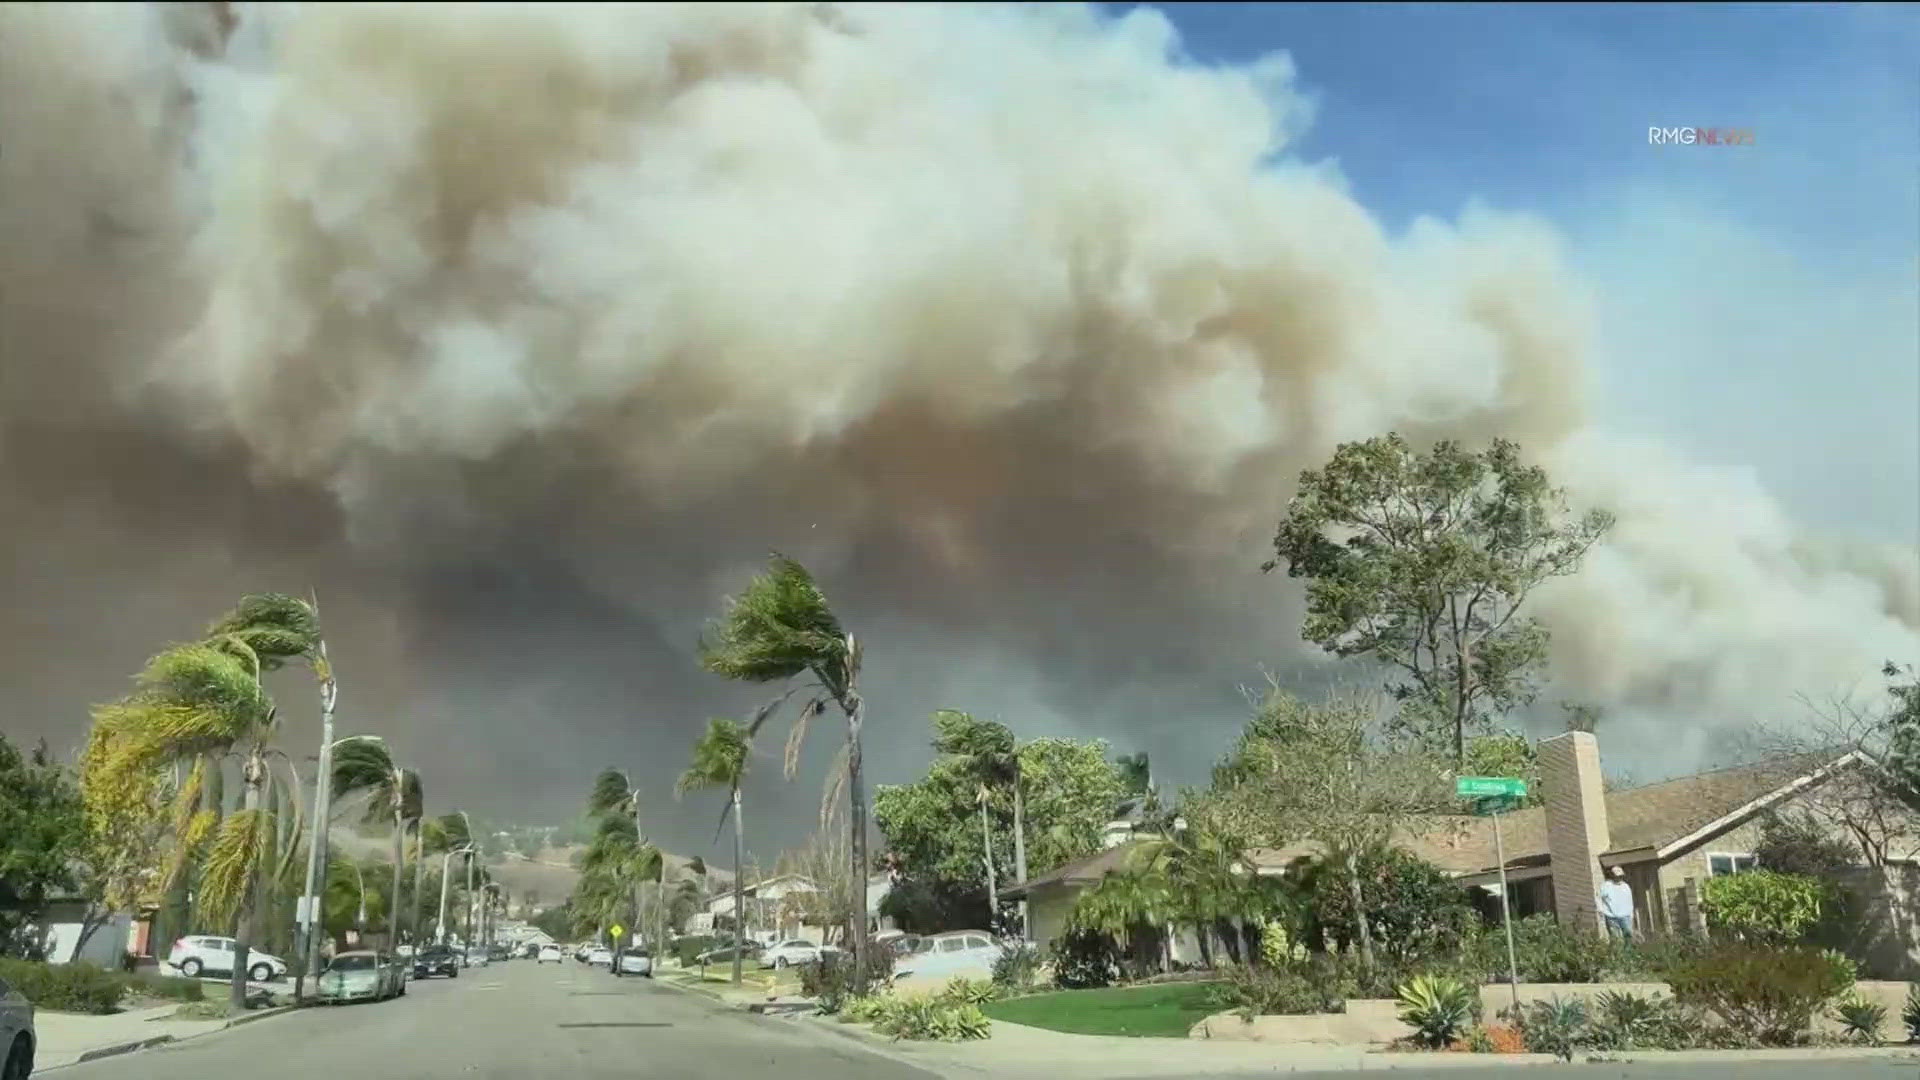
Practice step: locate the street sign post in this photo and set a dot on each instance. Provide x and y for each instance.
(1493, 795)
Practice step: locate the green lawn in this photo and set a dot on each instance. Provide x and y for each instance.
(1166, 1011)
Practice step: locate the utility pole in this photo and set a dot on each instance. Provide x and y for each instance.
(310, 925)
(446, 874)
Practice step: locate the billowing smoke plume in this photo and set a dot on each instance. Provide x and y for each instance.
(522, 331)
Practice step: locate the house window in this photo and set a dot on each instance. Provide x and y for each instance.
(1729, 863)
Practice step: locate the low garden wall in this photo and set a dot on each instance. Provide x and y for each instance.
(1376, 1021)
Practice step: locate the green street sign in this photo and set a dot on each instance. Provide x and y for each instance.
(1477, 787)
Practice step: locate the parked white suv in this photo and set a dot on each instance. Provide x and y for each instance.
(195, 955)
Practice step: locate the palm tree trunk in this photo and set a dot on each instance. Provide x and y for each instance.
(1020, 844)
(253, 772)
(993, 896)
(399, 869)
(739, 884)
(857, 805)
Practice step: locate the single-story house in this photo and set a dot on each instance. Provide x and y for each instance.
(771, 917)
(1667, 838)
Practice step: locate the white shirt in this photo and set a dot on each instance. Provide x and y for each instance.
(1616, 899)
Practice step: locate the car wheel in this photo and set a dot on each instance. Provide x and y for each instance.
(780, 962)
(260, 972)
(192, 968)
(19, 1063)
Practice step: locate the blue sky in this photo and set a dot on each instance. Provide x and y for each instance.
(1758, 305)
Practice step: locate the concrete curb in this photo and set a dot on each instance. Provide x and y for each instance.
(117, 1049)
(152, 1041)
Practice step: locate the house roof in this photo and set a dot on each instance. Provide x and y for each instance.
(1653, 816)
(1082, 871)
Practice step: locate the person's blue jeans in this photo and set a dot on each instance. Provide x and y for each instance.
(1620, 924)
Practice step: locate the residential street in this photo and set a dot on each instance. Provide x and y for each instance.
(513, 1020)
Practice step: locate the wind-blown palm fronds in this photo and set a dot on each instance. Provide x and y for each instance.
(720, 761)
(781, 627)
(232, 863)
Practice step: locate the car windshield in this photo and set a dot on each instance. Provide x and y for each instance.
(354, 963)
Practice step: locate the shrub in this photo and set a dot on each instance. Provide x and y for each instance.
(916, 1016)
(1282, 991)
(79, 987)
(1861, 1018)
(829, 980)
(1764, 905)
(863, 1010)
(1415, 910)
(1767, 996)
(166, 986)
(1084, 959)
(1017, 967)
(686, 949)
(1625, 1021)
(964, 991)
(1910, 1015)
(1546, 951)
(1438, 1008)
(1556, 1026)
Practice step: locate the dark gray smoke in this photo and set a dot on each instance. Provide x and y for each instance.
(522, 332)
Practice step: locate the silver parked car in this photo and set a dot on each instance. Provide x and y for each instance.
(362, 975)
(16, 1034)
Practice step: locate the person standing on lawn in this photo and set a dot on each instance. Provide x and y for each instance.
(1616, 904)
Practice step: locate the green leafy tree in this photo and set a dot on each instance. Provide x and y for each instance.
(1424, 561)
(781, 627)
(1319, 773)
(934, 837)
(720, 761)
(987, 753)
(43, 832)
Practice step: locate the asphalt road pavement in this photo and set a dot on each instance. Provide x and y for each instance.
(516, 1020)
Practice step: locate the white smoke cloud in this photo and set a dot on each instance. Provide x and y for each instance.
(1017, 323)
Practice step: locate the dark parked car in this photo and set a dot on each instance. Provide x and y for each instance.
(436, 960)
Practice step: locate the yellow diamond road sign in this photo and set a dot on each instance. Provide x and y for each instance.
(618, 930)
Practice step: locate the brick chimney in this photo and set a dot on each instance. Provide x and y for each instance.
(1576, 825)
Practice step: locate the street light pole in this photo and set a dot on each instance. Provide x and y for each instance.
(446, 873)
(322, 796)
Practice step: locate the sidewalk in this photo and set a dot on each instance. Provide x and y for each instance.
(70, 1038)
(1017, 1052)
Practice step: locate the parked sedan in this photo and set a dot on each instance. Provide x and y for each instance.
(361, 975)
(599, 954)
(635, 962)
(17, 1034)
(958, 952)
(436, 960)
(789, 953)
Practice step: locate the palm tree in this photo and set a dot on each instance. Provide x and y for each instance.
(366, 764)
(618, 862)
(720, 761)
(780, 627)
(203, 699)
(991, 757)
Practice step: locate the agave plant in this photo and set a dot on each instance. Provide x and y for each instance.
(1438, 1008)
(1910, 1015)
(1862, 1018)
